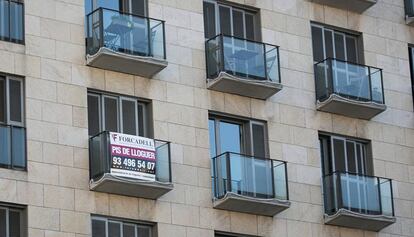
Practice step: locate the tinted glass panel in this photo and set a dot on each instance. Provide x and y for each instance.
(328, 44)
(350, 152)
(98, 228)
(143, 231)
(3, 228)
(5, 145)
(14, 224)
(4, 19)
(339, 47)
(225, 20)
(15, 94)
(238, 26)
(18, 147)
(230, 137)
(114, 229)
(351, 49)
(111, 114)
(249, 22)
(258, 140)
(111, 4)
(209, 20)
(93, 115)
(16, 18)
(212, 136)
(339, 153)
(317, 43)
(128, 230)
(129, 117)
(2, 100)
(138, 7)
(141, 119)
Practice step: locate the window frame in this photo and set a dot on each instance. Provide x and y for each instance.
(122, 221)
(22, 210)
(346, 33)
(255, 13)
(8, 39)
(411, 58)
(246, 127)
(145, 103)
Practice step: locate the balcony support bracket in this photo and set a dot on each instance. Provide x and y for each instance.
(350, 219)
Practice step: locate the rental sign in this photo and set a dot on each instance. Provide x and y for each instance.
(132, 156)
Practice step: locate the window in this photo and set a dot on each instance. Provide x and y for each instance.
(114, 113)
(344, 154)
(411, 54)
(11, 21)
(106, 227)
(12, 131)
(229, 20)
(238, 136)
(331, 43)
(12, 221)
(136, 7)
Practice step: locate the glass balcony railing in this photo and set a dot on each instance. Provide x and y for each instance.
(348, 80)
(409, 8)
(249, 176)
(12, 147)
(101, 161)
(125, 33)
(242, 58)
(361, 194)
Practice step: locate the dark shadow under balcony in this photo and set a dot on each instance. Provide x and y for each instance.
(125, 43)
(103, 180)
(242, 67)
(349, 89)
(249, 184)
(358, 6)
(358, 201)
(409, 12)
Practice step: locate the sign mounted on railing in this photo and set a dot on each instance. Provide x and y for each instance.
(132, 156)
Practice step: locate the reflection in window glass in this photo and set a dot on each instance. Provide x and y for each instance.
(2, 100)
(230, 137)
(4, 19)
(16, 17)
(5, 146)
(18, 147)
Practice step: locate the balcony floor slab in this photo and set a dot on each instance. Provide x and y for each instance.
(352, 108)
(265, 207)
(259, 89)
(109, 59)
(135, 188)
(351, 219)
(351, 5)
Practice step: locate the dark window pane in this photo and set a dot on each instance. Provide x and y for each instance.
(93, 115)
(14, 224)
(144, 231)
(141, 120)
(129, 118)
(351, 49)
(258, 140)
(339, 154)
(98, 228)
(350, 153)
(209, 20)
(5, 145)
(128, 230)
(4, 19)
(111, 114)
(15, 88)
(317, 43)
(16, 19)
(2, 100)
(114, 229)
(238, 26)
(212, 136)
(328, 44)
(3, 228)
(249, 22)
(18, 147)
(225, 21)
(339, 46)
(138, 7)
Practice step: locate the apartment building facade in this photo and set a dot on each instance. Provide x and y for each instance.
(185, 118)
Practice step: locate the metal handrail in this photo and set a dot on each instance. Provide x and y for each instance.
(123, 13)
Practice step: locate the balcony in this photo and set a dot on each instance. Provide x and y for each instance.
(125, 43)
(358, 201)
(242, 67)
(249, 184)
(107, 176)
(358, 6)
(12, 147)
(349, 89)
(409, 12)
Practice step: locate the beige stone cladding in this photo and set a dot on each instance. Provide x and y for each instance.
(52, 61)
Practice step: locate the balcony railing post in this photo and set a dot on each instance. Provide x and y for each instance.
(340, 203)
(169, 162)
(379, 195)
(392, 198)
(222, 52)
(101, 28)
(149, 33)
(273, 179)
(370, 83)
(228, 169)
(287, 181)
(265, 62)
(382, 88)
(163, 39)
(278, 65)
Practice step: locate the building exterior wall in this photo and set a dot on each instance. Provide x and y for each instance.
(56, 184)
